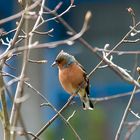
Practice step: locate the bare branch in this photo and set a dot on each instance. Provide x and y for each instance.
(131, 11)
(51, 120)
(38, 61)
(131, 41)
(122, 72)
(55, 17)
(113, 96)
(125, 113)
(6, 124)
(71, 115)
(20, 87)
(118, 52)
(44, 33)
(34, 5)
(135, 114)
(68, 41)
(133, 126)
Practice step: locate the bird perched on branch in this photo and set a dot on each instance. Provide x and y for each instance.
(73, 78)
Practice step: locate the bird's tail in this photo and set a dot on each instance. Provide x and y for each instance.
(87, 104)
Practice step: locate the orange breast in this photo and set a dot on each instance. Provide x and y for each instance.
(71, 77)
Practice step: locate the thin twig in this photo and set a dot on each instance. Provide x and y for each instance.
(132, 41)
(131, 11)
(6, 33)
(6, 124)
(29, 133)
(16, 79)
(49, 104)
(10, 66)
(15, 16)
(55, 17)
(38, 61)
(125, 113)
(135, 114)
(68, 41)
(55, 9)
(20, 84)
(66, 121)
(118, 52)
(73, 113)
(44, 33)
(115, 47)
(20, 87)
(12, 43)
(52, 119)
(122, 72)
(101, 99)
(131, 130)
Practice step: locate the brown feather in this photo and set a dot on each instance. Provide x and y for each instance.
(71, 77)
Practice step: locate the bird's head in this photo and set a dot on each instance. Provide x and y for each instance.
(64, 60)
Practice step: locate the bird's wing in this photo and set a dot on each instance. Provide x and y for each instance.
(81, 67)
(85, 77)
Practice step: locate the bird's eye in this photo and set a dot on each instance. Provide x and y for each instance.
(57, 61)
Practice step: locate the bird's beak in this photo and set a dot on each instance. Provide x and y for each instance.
(54, 63)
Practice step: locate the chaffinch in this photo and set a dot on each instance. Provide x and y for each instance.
(71, 76)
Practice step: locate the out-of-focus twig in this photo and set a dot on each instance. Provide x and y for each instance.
(66, 121)
(25, 133)
(57, 16)
(109, 53)
(68, 41)
(34, 5)
(44, 33)
(13, 41)
(118, 52)
(18, 29)
(14, 117)
(101, 99)
(132, 126)
(38, 61)
(56, 116)
(131, 11)
(6, 124)
(125, 113)
(122, 72)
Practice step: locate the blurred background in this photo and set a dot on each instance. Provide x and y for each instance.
(110, 22)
